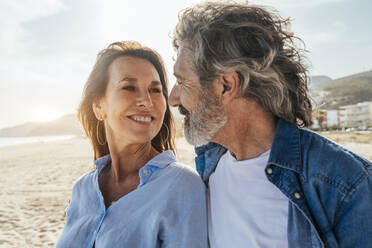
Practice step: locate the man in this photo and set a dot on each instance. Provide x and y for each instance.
(242, 86)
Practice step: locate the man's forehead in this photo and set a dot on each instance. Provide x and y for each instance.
(184, 67)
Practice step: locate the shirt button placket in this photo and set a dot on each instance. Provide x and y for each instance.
(102, 217)
(144, 175)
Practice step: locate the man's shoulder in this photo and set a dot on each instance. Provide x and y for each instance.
(328, 161)
(328, 149)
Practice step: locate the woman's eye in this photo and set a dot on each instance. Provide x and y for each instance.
(130, 88)
(155, 90)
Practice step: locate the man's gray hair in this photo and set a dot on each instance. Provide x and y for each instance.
(255, 42)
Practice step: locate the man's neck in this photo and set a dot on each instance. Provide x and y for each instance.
(249, 131)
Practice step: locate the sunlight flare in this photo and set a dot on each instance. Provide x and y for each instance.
(45, 114)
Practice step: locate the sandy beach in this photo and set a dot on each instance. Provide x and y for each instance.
(36, 182)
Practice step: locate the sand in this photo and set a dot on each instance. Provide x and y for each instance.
(36, 182)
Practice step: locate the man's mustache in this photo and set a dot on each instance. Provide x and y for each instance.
(182, 110)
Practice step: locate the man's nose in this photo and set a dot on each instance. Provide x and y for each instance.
(174, 97)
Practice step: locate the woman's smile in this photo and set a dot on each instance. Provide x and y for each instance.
(140, 119)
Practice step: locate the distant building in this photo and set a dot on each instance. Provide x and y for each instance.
(357, 115)
(333, 118)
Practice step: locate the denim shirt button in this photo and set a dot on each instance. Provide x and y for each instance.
(269, 171)
(145, 171)
(297, 195)
(95, 232)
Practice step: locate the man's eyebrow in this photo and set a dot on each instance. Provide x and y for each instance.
(178, 76)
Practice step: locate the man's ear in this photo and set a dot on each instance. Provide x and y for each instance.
(98, 110)
(228, 87)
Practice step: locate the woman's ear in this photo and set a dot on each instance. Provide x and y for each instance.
(228, 87)
(98, 110)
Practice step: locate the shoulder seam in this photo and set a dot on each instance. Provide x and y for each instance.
(353, 190)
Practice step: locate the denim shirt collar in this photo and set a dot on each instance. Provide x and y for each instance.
(199, 150)
(285, 151)
(207, 158)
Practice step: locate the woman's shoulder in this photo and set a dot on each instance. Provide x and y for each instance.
(186, 176)
(85, 181)
(183, 191)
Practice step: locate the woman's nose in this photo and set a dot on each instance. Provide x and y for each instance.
(144, 100)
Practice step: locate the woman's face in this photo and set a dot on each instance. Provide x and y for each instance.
(133, 107)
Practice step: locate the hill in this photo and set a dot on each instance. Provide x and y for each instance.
(348, 90)
(66, 125)
(319, 82)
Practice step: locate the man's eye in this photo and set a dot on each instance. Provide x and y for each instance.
(130, 88)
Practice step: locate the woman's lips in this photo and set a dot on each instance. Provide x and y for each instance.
(141, 119)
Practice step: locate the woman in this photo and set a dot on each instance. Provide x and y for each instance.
(139, 196)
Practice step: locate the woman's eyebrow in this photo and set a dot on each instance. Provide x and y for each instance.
(155, 83)
(128, 79)
(135, 80)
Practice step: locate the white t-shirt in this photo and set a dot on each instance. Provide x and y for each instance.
(245, 208)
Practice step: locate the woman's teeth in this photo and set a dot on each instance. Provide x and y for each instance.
(141, 118)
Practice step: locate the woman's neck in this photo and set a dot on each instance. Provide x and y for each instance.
(129, 159)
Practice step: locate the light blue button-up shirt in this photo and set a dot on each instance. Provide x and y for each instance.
(168, 209)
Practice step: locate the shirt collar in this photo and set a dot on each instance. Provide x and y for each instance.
(203, 148)
(102, 161)
(161, 160)
(285, 150)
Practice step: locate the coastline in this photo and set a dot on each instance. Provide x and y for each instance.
(12, 141)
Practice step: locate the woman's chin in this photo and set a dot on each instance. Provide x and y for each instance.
(142, 139)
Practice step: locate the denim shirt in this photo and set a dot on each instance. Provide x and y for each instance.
(328, 187)
(168, 209)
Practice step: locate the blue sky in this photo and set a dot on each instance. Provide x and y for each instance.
(48, 47)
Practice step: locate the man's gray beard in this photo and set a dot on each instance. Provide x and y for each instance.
(202, 123)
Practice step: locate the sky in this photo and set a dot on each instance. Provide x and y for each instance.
(48, 47)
